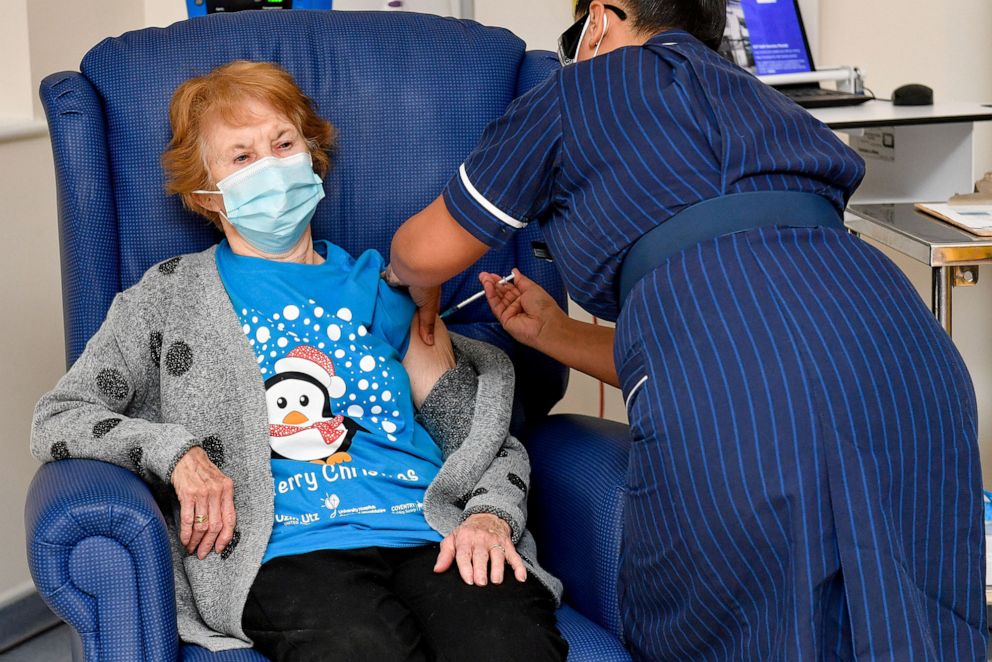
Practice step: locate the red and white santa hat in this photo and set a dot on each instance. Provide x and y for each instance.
(313, 362)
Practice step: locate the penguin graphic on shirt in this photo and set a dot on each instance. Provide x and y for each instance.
(302, 425)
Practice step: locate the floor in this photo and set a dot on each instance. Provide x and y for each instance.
(54, 645)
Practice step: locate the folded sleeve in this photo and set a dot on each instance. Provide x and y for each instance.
(86, 415)
(508, 181)
(447, 414)
(449, 408)
(502, 490)
(394, 308)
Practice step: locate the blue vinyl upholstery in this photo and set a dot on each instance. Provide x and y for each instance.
(410, 94)
(578, 473)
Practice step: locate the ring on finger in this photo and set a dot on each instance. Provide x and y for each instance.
(201, 519)
(499, 547)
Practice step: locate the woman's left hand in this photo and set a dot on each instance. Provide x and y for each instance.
(482, 547)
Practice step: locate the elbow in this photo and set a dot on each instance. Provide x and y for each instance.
(46, 443)
(411, 261)
(40, 445)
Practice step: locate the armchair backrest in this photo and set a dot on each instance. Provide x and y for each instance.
(410, 94)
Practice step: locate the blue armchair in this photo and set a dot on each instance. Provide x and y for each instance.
(410, 95)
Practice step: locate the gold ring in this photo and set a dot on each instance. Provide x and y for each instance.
(499, 547)
(201, 519)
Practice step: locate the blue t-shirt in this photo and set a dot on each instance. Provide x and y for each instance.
(349, 462)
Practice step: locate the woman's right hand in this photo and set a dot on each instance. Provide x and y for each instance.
(206, 503)
(527, 312)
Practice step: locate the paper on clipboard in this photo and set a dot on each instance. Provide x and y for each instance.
(976, 219)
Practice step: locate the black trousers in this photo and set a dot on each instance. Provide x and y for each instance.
(382, 604)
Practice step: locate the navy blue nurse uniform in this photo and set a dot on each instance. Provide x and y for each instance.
(804, 478)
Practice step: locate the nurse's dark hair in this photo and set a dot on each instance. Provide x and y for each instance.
(703, 19)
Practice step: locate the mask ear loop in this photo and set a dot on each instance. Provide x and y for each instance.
(606, 26)
(214, 193)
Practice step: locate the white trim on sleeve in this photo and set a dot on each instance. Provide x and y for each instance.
(488, 206)
(633, 392)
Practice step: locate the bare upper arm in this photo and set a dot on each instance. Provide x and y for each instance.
(425, 363)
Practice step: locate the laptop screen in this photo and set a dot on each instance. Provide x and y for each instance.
(766, 37)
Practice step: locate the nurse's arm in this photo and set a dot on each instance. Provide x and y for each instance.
(532, 317)
(431, 248)
(586, 347)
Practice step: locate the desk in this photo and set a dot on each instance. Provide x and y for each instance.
(953, 255)
(933, 153)
(931, 158)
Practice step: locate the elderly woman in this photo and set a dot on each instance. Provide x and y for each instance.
(268, 388)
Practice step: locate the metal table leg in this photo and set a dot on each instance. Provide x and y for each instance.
(941, 303)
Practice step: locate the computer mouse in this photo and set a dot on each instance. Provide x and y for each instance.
(913, 95)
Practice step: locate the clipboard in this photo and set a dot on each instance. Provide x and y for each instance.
(976, 219)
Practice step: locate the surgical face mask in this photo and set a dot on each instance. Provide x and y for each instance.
(272, 201)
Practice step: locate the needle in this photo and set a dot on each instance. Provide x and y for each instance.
(472, 299)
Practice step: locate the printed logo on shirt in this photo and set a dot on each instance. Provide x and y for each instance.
(331, 502)
(408, 508)
(293, 520)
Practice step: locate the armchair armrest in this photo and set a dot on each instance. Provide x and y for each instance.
(99, 555)
(578, 474)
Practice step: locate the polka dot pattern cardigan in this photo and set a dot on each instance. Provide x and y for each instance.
(170, 369)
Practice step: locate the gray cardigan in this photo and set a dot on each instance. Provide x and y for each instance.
(170, 368)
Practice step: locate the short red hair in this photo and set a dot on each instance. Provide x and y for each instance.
(222, 93)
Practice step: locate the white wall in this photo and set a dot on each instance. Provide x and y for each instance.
(537, 23)
(31, 334)
(61, 32)
(946, 45)
(15, 75)
(39, 37)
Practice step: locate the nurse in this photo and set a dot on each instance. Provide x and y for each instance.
(803, 480)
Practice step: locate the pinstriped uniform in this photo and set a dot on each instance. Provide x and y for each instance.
(804, 479)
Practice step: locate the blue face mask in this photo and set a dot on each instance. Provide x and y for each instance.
(271, 202)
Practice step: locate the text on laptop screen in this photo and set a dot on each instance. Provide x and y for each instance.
(766, 37)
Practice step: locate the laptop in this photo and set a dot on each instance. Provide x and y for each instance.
(768, 38)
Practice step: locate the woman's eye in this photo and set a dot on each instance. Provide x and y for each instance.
(285, 145)
(241, 158)
(304, 400)
(281, 403)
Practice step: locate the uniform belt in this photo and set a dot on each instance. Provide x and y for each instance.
(720, 217)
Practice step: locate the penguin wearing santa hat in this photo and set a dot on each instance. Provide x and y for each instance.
(302, 425)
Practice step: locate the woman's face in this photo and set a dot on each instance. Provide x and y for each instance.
(264, 132)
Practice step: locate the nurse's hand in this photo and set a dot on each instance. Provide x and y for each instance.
(527, 312)
(482, 547)
(428, 300)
